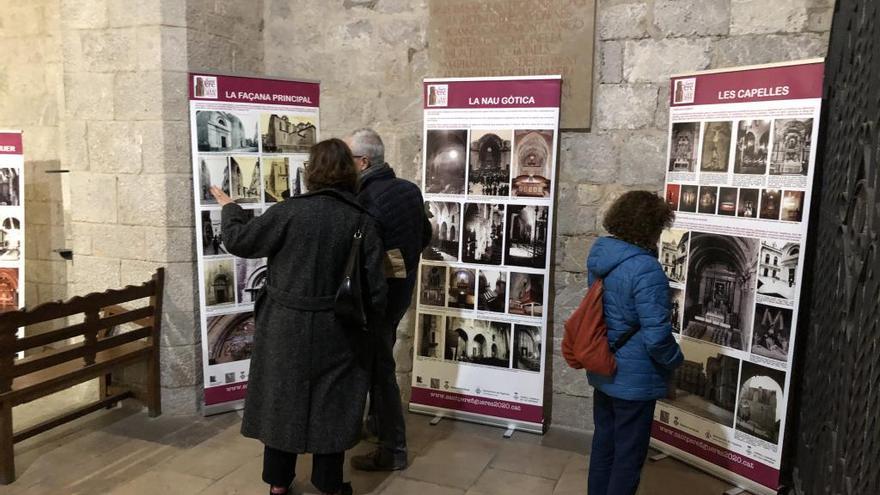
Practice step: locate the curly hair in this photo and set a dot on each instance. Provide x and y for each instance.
(638, 217)
(331, 165)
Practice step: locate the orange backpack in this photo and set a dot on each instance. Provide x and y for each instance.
(585, 344)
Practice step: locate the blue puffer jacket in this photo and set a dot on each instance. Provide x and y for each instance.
(636, 293)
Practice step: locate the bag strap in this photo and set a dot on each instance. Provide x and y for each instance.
(624, 339)
(357, 239)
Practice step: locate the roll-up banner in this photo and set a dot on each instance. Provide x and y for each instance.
(250, 137)
(489, 174)
(11, 222)
(742, 150)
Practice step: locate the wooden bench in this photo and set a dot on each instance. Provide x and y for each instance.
(82, 352)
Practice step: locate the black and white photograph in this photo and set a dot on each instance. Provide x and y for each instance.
(527, 347)
(727, 201)
(276, 179)
(674, 254)
(432, 287)
(219, 281)
(298, 176)
(527, 236)
(720, 295)
(226, 131)
(483, 233)
(288, 133)
(213, 171)
(491, 290)
(770, 204)
(676, 307)
(792, 206)
(10, 239)
(212, 238)
(683, 142)
(9, 187)
(771, 333)
(445, 221)
(752, 147)
(761, 402)
(708, 200)
(688, 202)
(431, 330)
(251, 275)
(489, 169)
(230, 338)
(462, 288)
(792, 143)
(245, 179)
(532, 163)
(477, 341)
(526, 294)
(747, 205)
(445, 161)
(716, 147)
(777, 269)
(706, 383)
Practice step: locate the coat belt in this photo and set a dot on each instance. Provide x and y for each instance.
(301, 303)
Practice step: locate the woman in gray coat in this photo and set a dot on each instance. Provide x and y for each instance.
(309, 373)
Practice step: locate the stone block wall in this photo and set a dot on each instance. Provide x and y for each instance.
(370, 58)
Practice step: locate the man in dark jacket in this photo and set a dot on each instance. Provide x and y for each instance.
(398, 208)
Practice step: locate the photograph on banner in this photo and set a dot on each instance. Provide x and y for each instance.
(214, 172)
(489, 171)
(230, 337)
(479, 342)
(432, 285)
(526, 294)
(761, 402)
(430, 334)
(720, 294)
(284, 132)
(683, 142)
(9, 186)
(526, 238)
(706, 383)
(533, 162)
(445, 161)
(245, 179)
(483, 233)
(445, 218)
(10, 293)
(226, 131)
(492, 290)
(10, 237)
(752, 147)
(527, 347)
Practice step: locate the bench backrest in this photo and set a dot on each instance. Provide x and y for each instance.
(142, 310)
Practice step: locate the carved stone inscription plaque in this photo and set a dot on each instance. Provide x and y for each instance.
(478, 38)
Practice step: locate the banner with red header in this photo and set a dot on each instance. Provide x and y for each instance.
(250, 137)
(11, 222)
(739, 173)
(489, 179)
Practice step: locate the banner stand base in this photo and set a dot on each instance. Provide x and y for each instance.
(510, 430)
(658, 457)
(744, 484)
(223, 407)
(436, 419)
(735, 491)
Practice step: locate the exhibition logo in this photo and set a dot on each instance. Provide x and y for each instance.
(438, 95)
(205, 87)
(684, 92)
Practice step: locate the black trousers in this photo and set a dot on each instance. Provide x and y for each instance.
(279, 469)
(386, 409)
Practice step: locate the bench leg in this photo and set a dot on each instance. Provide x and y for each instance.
(104, 383)
(7, 452)
(154, 390)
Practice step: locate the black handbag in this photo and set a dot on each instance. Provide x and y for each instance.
(349, 303)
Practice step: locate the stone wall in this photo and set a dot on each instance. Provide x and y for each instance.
(370, 58)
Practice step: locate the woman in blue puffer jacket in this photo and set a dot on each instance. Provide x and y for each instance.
(636, 294)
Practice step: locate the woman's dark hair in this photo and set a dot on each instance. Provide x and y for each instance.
(331, 165)
(638, 217)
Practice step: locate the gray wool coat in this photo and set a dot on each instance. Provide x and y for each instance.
(309, 375)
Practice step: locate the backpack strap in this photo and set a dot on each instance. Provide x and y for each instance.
(624, 339)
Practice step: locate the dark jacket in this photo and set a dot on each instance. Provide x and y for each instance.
(399, 209)
(308, 374)
(636, 294)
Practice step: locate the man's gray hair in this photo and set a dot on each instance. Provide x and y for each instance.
(366, 142)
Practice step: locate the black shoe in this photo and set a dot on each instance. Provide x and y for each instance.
(346, 489)
(379, 460)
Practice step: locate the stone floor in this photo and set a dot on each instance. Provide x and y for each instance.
(122, 452)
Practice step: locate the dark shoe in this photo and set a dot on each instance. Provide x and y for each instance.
(346, 489)
(289, 491)
(379, 460)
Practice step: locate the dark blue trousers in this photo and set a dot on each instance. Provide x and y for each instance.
(620, 444)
